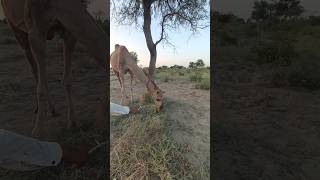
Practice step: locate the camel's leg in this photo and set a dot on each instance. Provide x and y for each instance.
(69, 45)
(22, 39)
(131, 79)
(118, 76)
(37, 40)
(37, 36)
(123, 90)
(79, 22)
(119, 79)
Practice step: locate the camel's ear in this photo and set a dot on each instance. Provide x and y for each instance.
(116, 46)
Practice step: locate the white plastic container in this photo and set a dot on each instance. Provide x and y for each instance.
(116, 109)
(18, 152)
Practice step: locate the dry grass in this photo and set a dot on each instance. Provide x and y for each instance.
(142, 148)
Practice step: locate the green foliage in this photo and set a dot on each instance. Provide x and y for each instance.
(203, 84)
(134, 56)
(277, 48)
(314, 20)
(163, 67)
(198, 64)
(279, 9)
(305, 74)
(261, 10)
(176, 67)
(227, 40)
(165, 77)
(195, 77)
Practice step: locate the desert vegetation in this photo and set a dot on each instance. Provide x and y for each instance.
(266, 93)
(283, 43)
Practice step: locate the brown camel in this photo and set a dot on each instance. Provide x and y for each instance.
(122, 62)
(35, 21)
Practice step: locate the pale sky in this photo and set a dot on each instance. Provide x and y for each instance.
(187, 48)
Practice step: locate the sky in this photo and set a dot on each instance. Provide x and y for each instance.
(187, 48)
(243, 8)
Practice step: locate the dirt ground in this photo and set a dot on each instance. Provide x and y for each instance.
(17, 92)
(189, 122)
(263, 132)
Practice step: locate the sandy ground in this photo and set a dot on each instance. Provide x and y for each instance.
(263, 132)
(189, 122)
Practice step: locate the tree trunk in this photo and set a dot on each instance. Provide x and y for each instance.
(147, 33)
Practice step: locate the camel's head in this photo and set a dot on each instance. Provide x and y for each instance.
(157, 97)
(156, 94)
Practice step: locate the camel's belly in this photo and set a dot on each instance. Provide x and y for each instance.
(14, 11)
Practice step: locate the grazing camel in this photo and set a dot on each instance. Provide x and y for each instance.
(35, 21)
(122, 62)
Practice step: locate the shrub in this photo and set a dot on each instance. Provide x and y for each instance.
(227, 40)
(195, 77)
(203, 84)
(278, 48)
(181, 73)
(305, 74)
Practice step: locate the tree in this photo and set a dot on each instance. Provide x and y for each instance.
(287, 9)
(261, 10)
(192, 65)
(135, 56)
(172, 14)
(280, 9)
(199, 63)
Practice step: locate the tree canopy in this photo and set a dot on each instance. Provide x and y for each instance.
(280, 9)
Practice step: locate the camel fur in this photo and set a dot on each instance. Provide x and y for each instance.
(122, 62)
(35, 21)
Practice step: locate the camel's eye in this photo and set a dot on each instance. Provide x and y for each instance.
(158, 99)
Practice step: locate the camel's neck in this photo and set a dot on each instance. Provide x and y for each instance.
(138, 72)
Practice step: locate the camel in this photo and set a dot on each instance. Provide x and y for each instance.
(146, 71)
(122, 62)
(35, 21)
